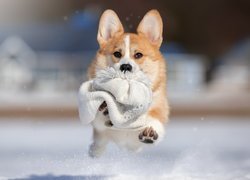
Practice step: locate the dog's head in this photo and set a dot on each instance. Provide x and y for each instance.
(130, 52)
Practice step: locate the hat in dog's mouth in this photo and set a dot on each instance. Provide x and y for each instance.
(130, 90)
(128, 97)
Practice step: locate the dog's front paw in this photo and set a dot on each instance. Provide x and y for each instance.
(104, 108)
(148, 135)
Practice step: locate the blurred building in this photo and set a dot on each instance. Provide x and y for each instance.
(233, 72)
(17, 61)
(23, 69)
(186, 72)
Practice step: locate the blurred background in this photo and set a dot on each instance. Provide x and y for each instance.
(46, 47)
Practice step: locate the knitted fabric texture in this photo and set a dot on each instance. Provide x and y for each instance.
(127, 95)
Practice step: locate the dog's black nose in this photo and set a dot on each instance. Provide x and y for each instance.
(126, 67)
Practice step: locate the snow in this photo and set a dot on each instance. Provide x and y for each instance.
(194, 148)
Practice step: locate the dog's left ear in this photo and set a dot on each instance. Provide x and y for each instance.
(151, 26)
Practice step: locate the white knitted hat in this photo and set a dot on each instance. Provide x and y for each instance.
(128, 97)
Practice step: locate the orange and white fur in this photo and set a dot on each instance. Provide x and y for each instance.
(137, 51)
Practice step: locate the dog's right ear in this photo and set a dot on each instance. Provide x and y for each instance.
(109, 26)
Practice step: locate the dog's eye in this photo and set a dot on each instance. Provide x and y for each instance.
(117, 54)
(138, 55)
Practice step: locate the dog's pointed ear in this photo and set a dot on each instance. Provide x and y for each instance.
(109, 26)
(151, 26)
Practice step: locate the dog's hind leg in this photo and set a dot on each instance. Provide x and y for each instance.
(99, 144)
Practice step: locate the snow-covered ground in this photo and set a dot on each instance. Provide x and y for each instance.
(194, 148)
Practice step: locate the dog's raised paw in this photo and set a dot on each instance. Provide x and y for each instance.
(104, 108)
(148, 135)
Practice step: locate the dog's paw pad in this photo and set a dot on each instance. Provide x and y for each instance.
(148, 135)
(104, 108)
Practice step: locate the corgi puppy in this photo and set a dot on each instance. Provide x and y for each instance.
(131, 51)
